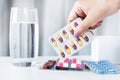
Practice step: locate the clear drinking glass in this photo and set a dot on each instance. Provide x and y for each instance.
(24, 36)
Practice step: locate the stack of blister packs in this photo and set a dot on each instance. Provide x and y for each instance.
(68, 64)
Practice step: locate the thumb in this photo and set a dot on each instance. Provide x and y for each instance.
(85, 24)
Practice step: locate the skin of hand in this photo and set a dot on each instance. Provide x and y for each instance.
(92, 12)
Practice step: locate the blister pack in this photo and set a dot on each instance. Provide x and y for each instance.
(66, 44)
(69, 64)
(102, 67)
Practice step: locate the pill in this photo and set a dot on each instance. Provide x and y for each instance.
(73, 45)
(65, 34)
(79, 41)
(100, 71)
(84, 36)
(61, 52)
(64, 63)
(67, 49)
(74, 60)
(66, 60)
(59, 37)
(54, 42)
(76, 66)
(71, 30)
(75, 24)
(60, 64)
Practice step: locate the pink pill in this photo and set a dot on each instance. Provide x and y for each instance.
(78, 66)
(66, 60)
(74, 60)
(60, 64)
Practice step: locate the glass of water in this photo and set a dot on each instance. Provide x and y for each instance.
(24, 36)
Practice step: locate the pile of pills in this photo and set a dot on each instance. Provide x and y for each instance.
(69, 64)
(64, 41)
(102, 67)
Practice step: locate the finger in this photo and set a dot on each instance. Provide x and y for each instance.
(86, 23)
(96, 25)
(75, 12)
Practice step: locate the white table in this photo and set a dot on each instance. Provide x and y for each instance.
(10, 72)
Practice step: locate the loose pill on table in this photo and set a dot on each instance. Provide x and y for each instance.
(66, 35)
(54, 42)
(59, 37)
(84, 36)
(67, 49)
(75, 24)
(61, 52)
(73, 45)
(79, 41)
(71, 30)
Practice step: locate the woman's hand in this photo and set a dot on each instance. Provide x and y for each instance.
(92, 12)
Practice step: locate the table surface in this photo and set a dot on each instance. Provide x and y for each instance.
(10, 72)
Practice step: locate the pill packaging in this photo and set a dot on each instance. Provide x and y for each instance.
(66, 44)
(69, 64)
(102, 67)
(49, 64)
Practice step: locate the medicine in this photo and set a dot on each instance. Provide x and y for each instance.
(63, 64)
(79, 41)
(59, 37)
(49, 64)
(73, 45)
(67, 49)
(75, 65)
(61, 52)
(65, 40)
(54, 42)
(102, 67)
(65, 34)
(71, 30)
(75, 24)
(84, 36)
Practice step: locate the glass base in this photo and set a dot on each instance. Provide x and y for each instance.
(23, 64)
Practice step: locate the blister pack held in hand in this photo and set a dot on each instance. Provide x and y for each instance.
(66, 44)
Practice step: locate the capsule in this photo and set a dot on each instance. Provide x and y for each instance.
(71, 30)
(75, 24)
(67, 49)
(59, 37)
(65, 34)
(61, 52)
(79, 41)
(73, 45)
(54, 42)
(84, 36)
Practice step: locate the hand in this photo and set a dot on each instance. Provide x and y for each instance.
(92, 12)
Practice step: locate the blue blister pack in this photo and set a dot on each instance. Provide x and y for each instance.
(102, 67)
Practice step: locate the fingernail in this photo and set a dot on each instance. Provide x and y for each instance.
(77, 34)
